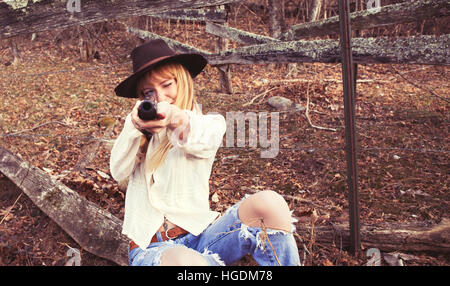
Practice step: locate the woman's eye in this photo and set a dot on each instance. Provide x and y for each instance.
(148, 93)
(168, 84)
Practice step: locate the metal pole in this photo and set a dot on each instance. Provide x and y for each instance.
(349, 110)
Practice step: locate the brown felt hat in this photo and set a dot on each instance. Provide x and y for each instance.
(152, 53)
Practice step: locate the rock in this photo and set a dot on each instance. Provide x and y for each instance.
(299, 107)
(279, 102)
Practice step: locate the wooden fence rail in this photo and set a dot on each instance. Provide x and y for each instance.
(94, 228)
(387, 15)
(37, 16)
(413, 50)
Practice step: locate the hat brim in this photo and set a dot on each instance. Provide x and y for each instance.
(194, 63)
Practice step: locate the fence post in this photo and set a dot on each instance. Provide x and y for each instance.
(224, 70)
(349, 109)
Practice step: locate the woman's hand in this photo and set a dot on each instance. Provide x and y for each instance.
(178, 120)
(168, 115)
(152, 126)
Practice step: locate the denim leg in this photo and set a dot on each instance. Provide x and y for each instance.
(231, 240)
(151, 256)
(226, 241)
(273, 247)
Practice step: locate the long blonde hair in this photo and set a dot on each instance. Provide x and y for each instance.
(185, 100)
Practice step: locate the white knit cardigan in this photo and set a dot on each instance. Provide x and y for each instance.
(180, 185)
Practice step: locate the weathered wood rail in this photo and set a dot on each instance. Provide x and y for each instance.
(25, 17)
(94, 228)
(423, 49)
(409, 11)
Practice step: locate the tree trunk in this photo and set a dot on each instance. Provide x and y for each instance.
(224, 71)
(277, 24)
(315, 10)
(314, 15)
(226, 85)
(83, 46)
(14, 52)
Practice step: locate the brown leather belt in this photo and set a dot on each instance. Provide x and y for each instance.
(165, 235)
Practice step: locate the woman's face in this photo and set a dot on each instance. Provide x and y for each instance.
(161, 88)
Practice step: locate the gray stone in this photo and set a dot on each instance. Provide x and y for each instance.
(279, 102)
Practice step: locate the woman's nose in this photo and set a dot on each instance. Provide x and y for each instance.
(160, 96)
(156, 95)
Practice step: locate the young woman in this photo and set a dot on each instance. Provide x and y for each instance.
(167, 214)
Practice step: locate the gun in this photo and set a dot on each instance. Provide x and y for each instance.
(147, 110)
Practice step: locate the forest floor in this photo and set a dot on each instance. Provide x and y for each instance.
(55, 106)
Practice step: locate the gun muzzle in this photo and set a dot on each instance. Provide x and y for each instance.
(147, 110)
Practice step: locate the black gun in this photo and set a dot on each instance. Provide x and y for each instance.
(147, 110)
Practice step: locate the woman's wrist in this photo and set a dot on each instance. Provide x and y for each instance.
(179, 123)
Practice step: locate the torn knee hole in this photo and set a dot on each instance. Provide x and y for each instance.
(181, 256)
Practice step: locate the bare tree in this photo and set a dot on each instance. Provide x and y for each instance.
(14, 52)
(276, 18)
(224, 71)
(314, 14)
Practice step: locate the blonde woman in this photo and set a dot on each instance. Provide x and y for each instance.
(167, 214)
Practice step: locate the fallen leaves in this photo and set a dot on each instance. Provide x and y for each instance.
(215, 198)
(6, 213)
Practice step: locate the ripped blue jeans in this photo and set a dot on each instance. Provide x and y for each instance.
(225, 241)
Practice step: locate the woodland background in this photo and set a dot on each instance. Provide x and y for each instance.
(58, 104)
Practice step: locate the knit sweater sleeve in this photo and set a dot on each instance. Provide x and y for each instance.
(204, 136)
(123, 153)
